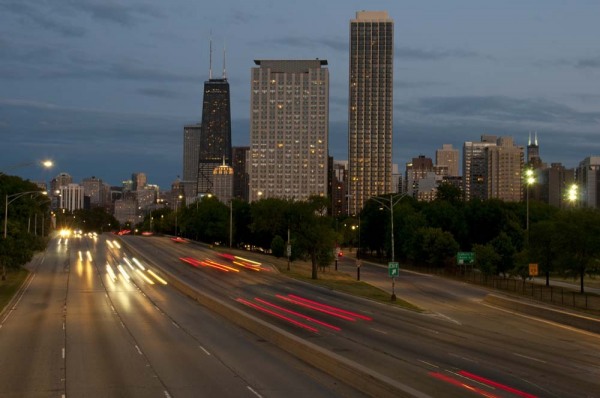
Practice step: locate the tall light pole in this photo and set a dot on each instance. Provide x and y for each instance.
(573, 194)
(44, 163)
(529, 180)
(389, 203)
(230, 222)
(8, 199)
(176, 206)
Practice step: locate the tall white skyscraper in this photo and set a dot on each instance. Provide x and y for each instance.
(289, 128)
(370, 109)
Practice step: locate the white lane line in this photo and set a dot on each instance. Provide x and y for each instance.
(138, 350)
(176, 325)
(526, 357)
(113, 308)
(205, 350)
(461, 357)
(379, 331)
(167, 394)
(254, 391)
(64, 327)
(63, 353)
(14, 307)
(448, 318)
(428, 363)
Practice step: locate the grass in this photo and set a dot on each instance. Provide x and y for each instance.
(10, 286)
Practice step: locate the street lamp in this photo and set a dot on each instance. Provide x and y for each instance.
(572, 194)
(176, 205)
(44, 163)
(529, 180)
(11, 198)
(389, 203)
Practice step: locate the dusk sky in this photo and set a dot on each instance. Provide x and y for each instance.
(105, 87)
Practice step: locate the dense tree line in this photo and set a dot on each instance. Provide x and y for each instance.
(28, 220)
(425, 233)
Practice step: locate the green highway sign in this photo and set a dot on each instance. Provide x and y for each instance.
(465, 258)
(393, 269)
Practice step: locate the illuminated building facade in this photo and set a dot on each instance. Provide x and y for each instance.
(370, 107)
(289, 127)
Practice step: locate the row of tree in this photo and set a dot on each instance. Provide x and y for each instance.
(425, 233)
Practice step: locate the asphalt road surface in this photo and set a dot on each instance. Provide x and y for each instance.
(458, 347)
(92, 322)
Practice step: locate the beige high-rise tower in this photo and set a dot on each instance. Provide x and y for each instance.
(289, 128)
(370, 108)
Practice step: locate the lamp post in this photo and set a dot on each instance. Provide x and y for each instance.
(572, 194)
(44, 163)
(11, 198)
(389, 203)
(230, 222)
(529, 180)
(177, 205)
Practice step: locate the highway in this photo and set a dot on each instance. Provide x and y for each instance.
(94, 322)
(459, 347)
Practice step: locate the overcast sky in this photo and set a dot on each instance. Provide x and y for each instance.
(104, 87)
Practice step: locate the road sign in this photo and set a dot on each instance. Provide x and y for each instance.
(289, 250)
(465, 258)
(393, 269)
(533, 269)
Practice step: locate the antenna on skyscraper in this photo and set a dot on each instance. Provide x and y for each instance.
(210, 58)
(224, 70)
(536, 138)
(529, 140)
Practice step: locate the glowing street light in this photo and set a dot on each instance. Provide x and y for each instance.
(47, 164)
(573, 193)
(529, 180)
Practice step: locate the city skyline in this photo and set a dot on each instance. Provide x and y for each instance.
(105, 89)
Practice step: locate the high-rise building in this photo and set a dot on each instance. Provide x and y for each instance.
(554, 183)
(504, 170)
(533, 152)
(61, 180)
(370, 107)
(139, 181)
(448, 156)
(223, 182)
(191, 149)
(289, 126)
(94, 188)
(215, 134)
(240, 172)
(475, 167)
(588, 180)
(71, 197)
(339, 179)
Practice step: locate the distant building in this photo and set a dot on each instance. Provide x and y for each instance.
(448, 156)
(191, 150)
(475, 167)
(139, 181)
(339, 181)
(588, 180)
(94, 188)
(71, 197)
(289, 129)
(504, 175)
(371, 105)
(223, 182)
(61, 180)
(554, 183)
(421, 179)
(241, 179)
(215, 133)
(126, 211)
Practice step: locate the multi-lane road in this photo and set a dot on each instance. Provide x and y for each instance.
(92, 322)
(96, 319)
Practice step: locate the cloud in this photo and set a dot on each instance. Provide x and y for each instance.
(593, 62)
(40, 17)
(420, 54)
(121, 14)
(159, 93)
(501, 109)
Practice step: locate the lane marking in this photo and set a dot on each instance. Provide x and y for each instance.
(254, 391)
(176, 325)
(138, 349)
(167, 394)
(63, 353)
(461, 357)
(205, 350)
(428, 363)
(526, 357)
(379, 331)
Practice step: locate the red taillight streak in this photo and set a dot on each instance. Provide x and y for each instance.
(188, 260)
(458, 383)
(496, 384)
(314, 307)
(308, 318)
(227, 256)
(353, 314)
(265, 310)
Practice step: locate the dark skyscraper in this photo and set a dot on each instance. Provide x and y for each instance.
(215, 136)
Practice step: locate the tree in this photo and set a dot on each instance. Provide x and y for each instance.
(433, 247)
(506, 250)
(278, 246)
(578, 243)
(486, 259)
(542, 246)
